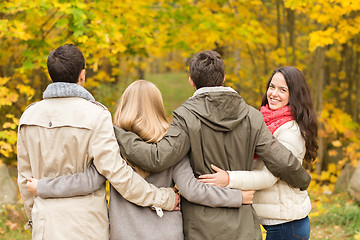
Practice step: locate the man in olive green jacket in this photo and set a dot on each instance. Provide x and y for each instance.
(62, 135)
(216, 126)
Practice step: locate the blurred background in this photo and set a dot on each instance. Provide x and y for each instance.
(126, 40)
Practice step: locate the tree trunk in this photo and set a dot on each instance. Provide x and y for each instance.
(119, 66)
(140, 71)
(255, 70)
(317, 90)
(337, 92)
(278, 23)
(219, 49)
(285, 36)
(237, 62)
(266, 62)
(349, 78)
(357, 86)
(291, 29)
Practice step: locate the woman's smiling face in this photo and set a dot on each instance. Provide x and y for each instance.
(278, 92)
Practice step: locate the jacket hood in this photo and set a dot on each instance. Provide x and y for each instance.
(220, 108)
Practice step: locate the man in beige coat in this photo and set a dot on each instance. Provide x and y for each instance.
(61, 135)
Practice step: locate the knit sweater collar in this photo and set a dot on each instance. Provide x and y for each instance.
(212, 89)
(64, 89)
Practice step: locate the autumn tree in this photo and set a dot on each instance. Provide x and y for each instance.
(122, 40)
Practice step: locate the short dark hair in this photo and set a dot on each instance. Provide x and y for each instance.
(65, 64)
(301, 106)
(207, 69)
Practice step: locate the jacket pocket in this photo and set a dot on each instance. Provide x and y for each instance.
(38, 230)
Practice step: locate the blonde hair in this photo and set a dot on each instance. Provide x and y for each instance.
(141, 110)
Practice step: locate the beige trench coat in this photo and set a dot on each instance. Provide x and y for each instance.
(61, 136)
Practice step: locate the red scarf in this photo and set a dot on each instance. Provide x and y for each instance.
(276, 118)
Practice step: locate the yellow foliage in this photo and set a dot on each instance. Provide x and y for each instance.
(349, 134)
(121, 31)
(5, 148)
(25, 89)
(332, 168)
(336, 143)
(7, 97)
(333, 179)
(336, 120)
(321, 38)
(333, 153)
(4, 80)
(324, 176)
(9, 125)
(13, 118)
(357, 236)
(263, 231)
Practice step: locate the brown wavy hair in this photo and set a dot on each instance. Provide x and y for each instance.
(301, 107)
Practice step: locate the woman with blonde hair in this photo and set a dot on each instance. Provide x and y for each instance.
(141, 111)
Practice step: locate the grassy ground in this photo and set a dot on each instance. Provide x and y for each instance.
(336, 218)
(12, 220)
(174, 87)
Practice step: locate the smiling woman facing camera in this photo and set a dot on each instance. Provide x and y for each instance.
(289, 114)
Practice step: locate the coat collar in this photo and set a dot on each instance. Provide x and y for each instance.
(64, 89)
(212, 89)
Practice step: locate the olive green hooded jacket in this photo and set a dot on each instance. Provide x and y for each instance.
(216, 126)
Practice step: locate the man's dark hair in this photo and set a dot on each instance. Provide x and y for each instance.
(65, 64)
(207, 69)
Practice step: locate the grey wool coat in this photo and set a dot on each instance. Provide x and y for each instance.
(216, 126)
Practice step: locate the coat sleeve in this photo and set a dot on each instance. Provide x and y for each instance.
(159, 156)
(252, 180)
(201, 193)
(261, 177)
(78, 184)
(24, 171)
(104, 151)
(280, 161)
